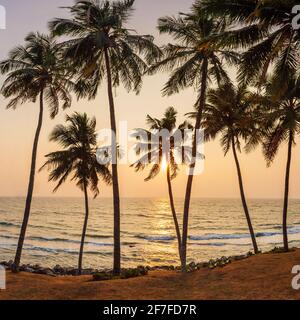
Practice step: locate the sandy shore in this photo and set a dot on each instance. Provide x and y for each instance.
(267, 276)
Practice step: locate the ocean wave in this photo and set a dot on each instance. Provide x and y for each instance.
(270, 225)
(291, 230)
(49, 239)
(211, 244)
(9, 224)
(8, 236)
(12, 224)
(156, 238)
(66, 251)
(266, 234)
(96, 236)
(220, 244)
(219, 237)
(46, 239)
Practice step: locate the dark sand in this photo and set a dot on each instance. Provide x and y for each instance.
(266, 276)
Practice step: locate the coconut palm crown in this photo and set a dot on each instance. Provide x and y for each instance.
(98, 29)
(37, 69)
(263, 30)
(79, 155)
(151, 148)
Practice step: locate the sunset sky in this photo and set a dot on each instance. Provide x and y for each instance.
(17, 127)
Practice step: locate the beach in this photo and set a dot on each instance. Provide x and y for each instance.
(265, 276)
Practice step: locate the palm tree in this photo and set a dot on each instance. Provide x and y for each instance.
(35, 71)
(101, 47)
(193, 61)
(229, 113)
(283, 125)
(152, 152)
(78, 158)
(264, 31)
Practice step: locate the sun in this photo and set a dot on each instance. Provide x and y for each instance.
(164, 165)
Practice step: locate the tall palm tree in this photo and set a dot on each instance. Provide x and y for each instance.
(264, 31)
(102, 48)
(78, 158)
(283, 125)
(35, 71)
(193, 61)
(229, 113)
(153, 153)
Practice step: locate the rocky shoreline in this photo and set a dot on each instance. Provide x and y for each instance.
(127, 273)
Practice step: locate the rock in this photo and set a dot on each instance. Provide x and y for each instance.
(44, 271)
(6, 265)
(59, 270)
(23, 267)
(71, 272)
(143, 271)
(10, 263)
(133, 273)
(102, 276)
(88, 272)
(240, 257)
(167, 268)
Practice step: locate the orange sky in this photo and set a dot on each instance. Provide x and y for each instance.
(17, 127)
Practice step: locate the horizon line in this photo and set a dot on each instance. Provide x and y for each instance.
(154, 198)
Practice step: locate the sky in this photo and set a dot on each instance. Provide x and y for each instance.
(17, 127)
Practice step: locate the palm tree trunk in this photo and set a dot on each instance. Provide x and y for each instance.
(16, 264)
(192, 167)
(243, 197)
(286, 193)
(115, 180)
(178, 233)
(83, 230)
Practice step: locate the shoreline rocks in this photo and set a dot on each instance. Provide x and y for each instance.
(106, 274)
(58, 270)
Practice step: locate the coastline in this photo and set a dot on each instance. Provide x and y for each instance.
(59, 270)
(264, 276)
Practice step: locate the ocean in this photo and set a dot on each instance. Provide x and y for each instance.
(217, 228)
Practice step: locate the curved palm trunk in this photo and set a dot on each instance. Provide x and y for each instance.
(178, 234)
(243, 197)
(83, 230)
(15, 267)
(115, 180)
(192, 167)
(286, 193)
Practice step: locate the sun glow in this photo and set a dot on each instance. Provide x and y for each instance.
(164, 165)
